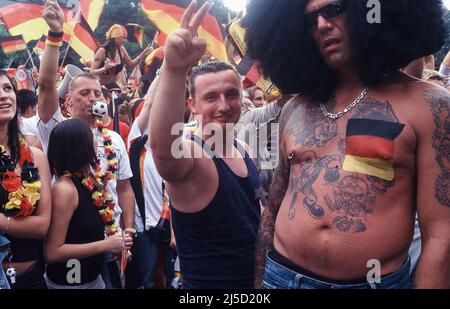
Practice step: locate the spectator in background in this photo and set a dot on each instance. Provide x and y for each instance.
(257, 96)
(108, 119)
(110, 58)
(434, 77)
(27, 104)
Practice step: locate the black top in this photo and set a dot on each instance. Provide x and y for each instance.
(118, 68)
(216, 245)
(85, 226)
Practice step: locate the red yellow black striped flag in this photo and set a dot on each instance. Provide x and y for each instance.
(40, 46)
(11, 44)
(25, 16)
(166, 15)
(83, 40)
(370, 147)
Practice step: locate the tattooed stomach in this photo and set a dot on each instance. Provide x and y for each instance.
(335, 233)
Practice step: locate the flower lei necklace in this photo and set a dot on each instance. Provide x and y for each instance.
(101, 198)
(97, 183)
(19, 194)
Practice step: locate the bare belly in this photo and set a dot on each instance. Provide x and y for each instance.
(108, 79)
(20, 267)
(326, 246)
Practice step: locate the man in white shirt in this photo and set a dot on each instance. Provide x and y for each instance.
(148, 188)
(84, 90)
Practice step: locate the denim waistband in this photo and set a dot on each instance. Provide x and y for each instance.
(297, 278)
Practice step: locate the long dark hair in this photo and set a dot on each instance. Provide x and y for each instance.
(71, 147)
(111, 48)
(13, 126)
(277, 37)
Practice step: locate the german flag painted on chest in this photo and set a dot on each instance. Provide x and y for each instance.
(370, 147)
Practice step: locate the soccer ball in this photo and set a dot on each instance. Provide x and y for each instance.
(99, 109)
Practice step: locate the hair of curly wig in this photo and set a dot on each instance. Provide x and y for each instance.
(277, 38)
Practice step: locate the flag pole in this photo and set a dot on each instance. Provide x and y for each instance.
(68, 47)
(30, 58)
(11, 62)
(71, 38)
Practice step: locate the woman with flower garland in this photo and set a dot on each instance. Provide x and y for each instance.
(82, 213)
(24, 194)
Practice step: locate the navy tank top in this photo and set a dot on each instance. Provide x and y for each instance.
(85, 226)
(216, 245)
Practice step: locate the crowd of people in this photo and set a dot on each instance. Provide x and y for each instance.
(191, 181)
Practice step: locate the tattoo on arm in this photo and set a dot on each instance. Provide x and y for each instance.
(439, 101)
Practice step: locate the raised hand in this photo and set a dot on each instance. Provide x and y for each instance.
(53, 16)
(147, 50)
(183, 48)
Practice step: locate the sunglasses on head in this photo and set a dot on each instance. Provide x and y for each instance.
(331, 10)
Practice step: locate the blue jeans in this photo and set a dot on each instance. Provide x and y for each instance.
(277, 276)
(4, 245)
(146, 255)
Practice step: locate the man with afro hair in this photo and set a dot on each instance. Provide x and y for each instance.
(362, 145)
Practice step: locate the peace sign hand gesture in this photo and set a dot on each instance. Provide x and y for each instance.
(184, 48)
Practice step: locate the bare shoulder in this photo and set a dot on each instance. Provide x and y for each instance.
(414, 99)
(430, 101)
(63, 189)
(101, 52)
(38, 155)
(291, 108)
(123, 50)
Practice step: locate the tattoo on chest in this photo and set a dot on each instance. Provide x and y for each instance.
(310, 128)
(440, 106)
(351, 197)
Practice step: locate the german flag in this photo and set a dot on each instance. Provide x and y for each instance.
(166, 15)
(83, 40)
(40, 46)
(157, 53)
(370, 147)
(233, 55)
(11, 44)
(159, 39)
(25, 16)
(236, 35)
(135, 33)
(249, 68)
(153, 62)
(245, 65)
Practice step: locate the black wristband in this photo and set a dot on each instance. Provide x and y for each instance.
(56, 35)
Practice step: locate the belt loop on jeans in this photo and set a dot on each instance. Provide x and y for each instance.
(298, 279)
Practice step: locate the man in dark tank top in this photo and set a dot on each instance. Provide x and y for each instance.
(213, 186)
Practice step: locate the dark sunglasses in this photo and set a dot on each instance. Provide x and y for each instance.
(328, 11)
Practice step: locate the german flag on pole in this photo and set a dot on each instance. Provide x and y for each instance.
(83, 40)
(40, 46)
(25, 16)
(166, 15)
(11, 44)
(370, 147)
